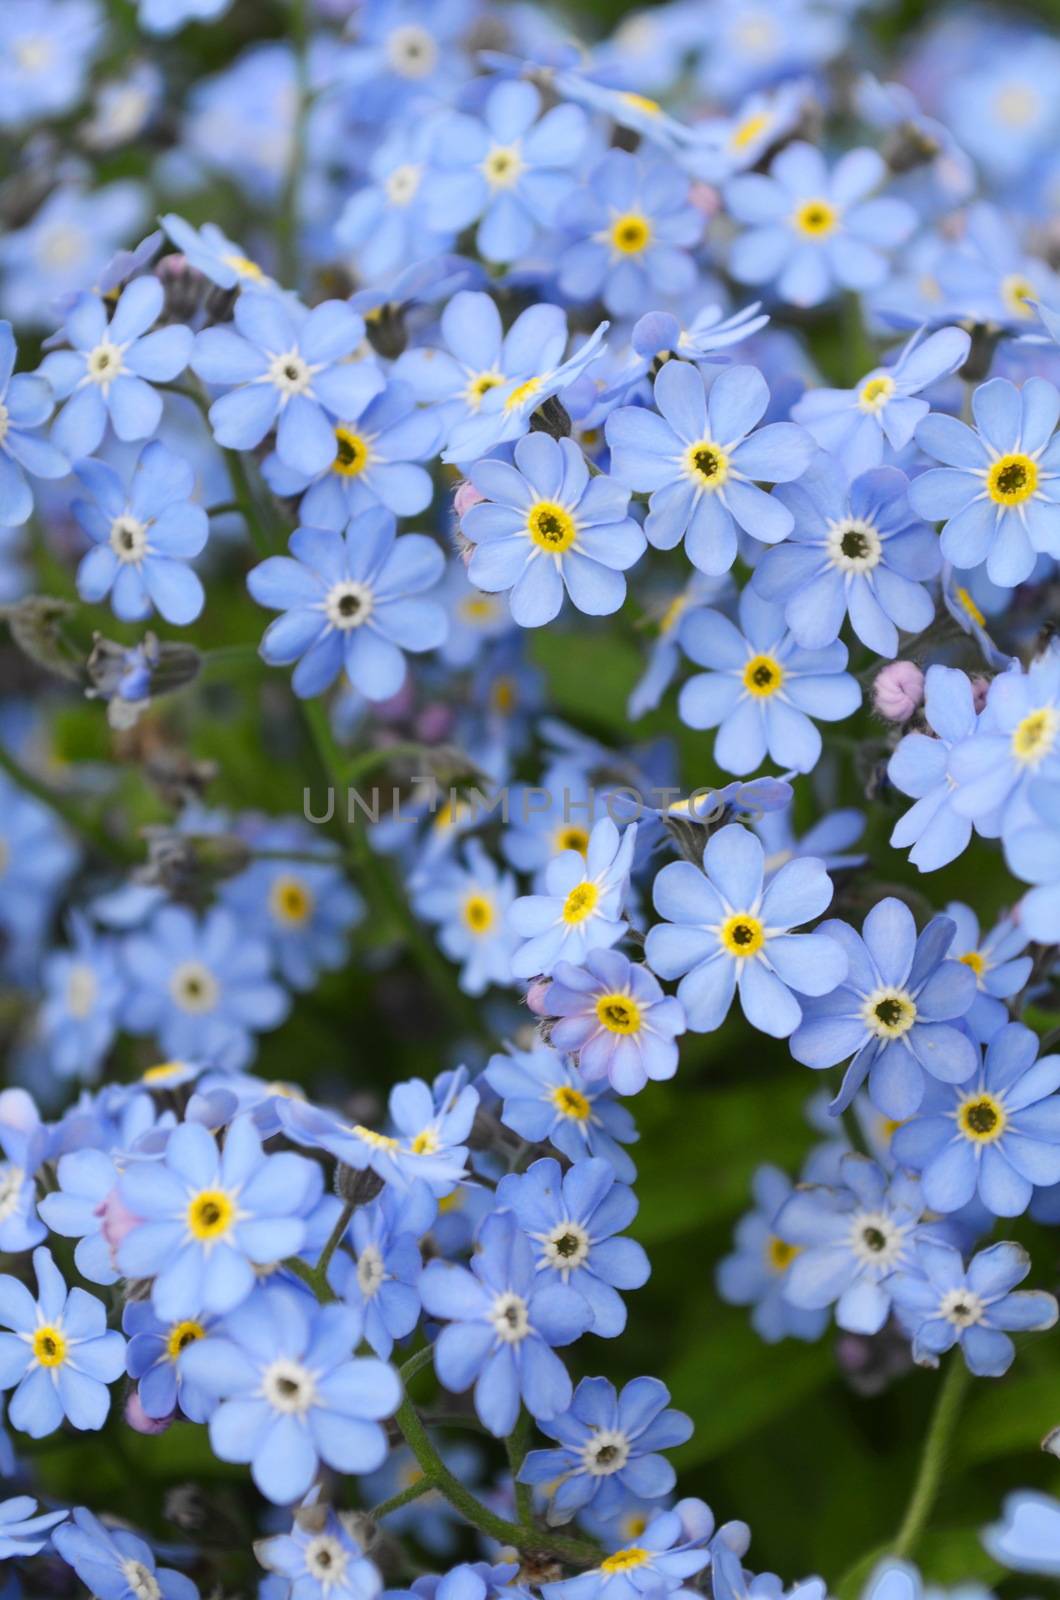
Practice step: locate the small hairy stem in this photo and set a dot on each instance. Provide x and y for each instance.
(341, 1224)
(936, 1447)
(422, 1486)
(516, 1445)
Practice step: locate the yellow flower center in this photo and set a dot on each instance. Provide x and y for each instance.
(210, 1214)
(889, 1013)
(479, 384)
(763, 676)
(502, 166)
(244, 266)
(522, 393)
(425, 1143)
(973, 959)
(581, 902)
(479, 913)
(707, 464)
(378, 1141)
(571, 837)
(181, 1334)
(750, 129)
(630, 233)
(49, 1346)
(478, 608)
(351, 453)
(742, 934)
(633, 1524)
(290, 901)
(887, 1127)
(970, 606)
(816, 219)
(1011, 480)
(673, 613)
(550, 527)
(875, 394)
(571, 1102)
(618, 1013)
(981, 1117)
(1018, 294)
(504, 696)
(779, 1253)
(1035, 736)
(163, 1072)
(625, 1560)
(641, 102)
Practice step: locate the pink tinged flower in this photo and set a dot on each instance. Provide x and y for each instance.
(898, 690)
(137, 1417)
(465, 497)
(118, 1221)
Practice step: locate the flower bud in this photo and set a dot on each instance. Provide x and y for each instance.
(536, 997)
(137, 1417)
(980, 690)
(898, 690)
(357, 1188)
(466, 496)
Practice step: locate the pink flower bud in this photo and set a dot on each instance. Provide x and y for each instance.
(137, 1417)
(172, 266)
(434, 723)
(980, 690)
(118, 1221)
(465, 497)
(898, 690)
(705, 198)
(536, 996)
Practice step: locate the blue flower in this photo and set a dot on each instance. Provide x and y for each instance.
(725, 933)
(581, 907)
(351, 603)
(617, 1018)
(83, 993)
(386, 223)
(996, 1136)
(166, 16)
(60, 1353)
(856, 550)
(1015, 745)
(895, 1014)
(509, 171)
(115, 1564)
(546, 526)
(830, 839)
(289, 369)
(46, 50)
(1000, 968)
(320, 1558)
(757, 1271)
(812, 230)
(65, 245)
(1028, 1536)
(142, 535)
(763, 687)
(108, 372)
(305, 908)
(660, 334)
(209, 1217)
(25, 1144)
(941, 1304)
(850, 1241)
(634, 228)
(920, 768)
(571, 1218)
(545, 1098)
(77, 1210)
(153, 1360)
(26, 403)
(23, 1529)
(431, 1518)
(502, 1323)
(374, 464)
(991, 277)
(662, 1558)
(469, 902)
(38, 857)
(202, 986)
(701, 463)
(291, 1393)
(381, 1280)
(998, 490)
(856, 425)
(608, 1448)
(1032, 850)
(210, 251)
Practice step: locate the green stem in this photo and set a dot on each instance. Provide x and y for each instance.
(334, 1240)
(416, 1363)
(287, 228)
(937, 1443)
(246, 503)
(413, 1492)
(516, 1445)
(70, 813)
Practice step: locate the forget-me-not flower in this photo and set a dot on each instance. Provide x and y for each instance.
(1015, 745)
(116, 1564)
(469, 902)
(581, 907)
(920, 768)
(545, 1098)
(756, 1272)
(26, 403)
(23, 1529)
(617, 1019)
(941, 1303)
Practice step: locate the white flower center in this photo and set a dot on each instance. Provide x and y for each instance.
(348, 604)
(401, 184)
(128, 538)
(961, 1307)
(194, 988)
(62, 247)
(509, 1317)
(34, 52)
(325, 1559)
(412, 52)
(370, 1271)
(11, 1180)
(853, 545)
(889, 1013)
(877, 1240)
(104, 364)
(290, 373)
(81, 990)
(606, 1452)
(288, 1387)
(141, 1581)
(503, 166)
(567, 1246)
